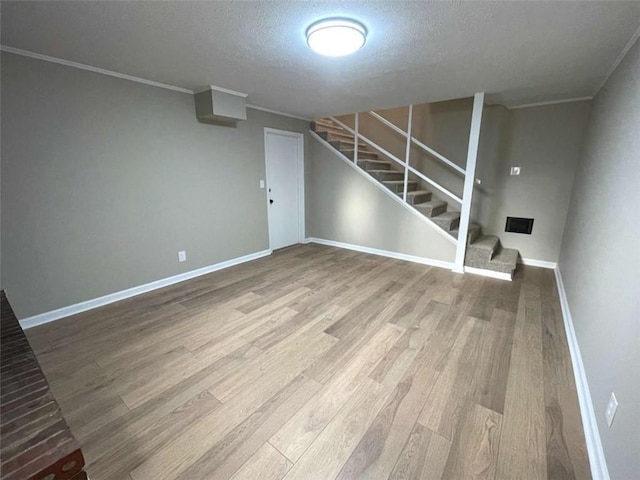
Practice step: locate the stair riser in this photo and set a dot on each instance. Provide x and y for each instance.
(335, 137)
(434, 211)
(479, 255)
(361, 155)
(474, 233)
(486, 265)
(387, 175)
(318, 127)
(373, 165)
(398, 188)
(420, 198)
(447, 224)
(347, 145)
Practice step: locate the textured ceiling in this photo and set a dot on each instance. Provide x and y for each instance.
(523, 52)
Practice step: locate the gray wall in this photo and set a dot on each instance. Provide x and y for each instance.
(344, 206)
(600, 262)
(546, 142)
(105, 180)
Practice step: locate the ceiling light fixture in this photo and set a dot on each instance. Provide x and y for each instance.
(336, 37)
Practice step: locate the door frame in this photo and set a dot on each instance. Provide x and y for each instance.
(300, 161)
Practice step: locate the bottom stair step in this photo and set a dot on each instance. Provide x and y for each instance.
(504, 261)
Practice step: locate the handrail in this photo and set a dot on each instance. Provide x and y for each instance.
(397, 160)
(417, 142)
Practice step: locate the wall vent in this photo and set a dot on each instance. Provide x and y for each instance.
(220, 106)
(519, 225)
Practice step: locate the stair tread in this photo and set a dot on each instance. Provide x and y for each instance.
(322, 127)
(379, 162)
(417, 192)
(432, 203)
(351, 141)
(398, 182)
(341, 133)
(448, 215)
(485, 242)
(352, 150)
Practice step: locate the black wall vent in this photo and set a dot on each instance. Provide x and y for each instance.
(519, 225)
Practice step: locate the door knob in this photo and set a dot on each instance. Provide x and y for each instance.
(270, 200)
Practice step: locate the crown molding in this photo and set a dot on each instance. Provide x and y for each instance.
(550, 102)
(132, 78)
(623, 53)
(91, 68)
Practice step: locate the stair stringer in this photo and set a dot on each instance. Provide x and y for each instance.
(382, 188)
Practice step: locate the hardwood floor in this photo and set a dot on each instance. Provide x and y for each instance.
(322, 363)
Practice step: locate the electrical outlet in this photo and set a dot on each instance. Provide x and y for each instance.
(612, 406)
(515, 170)
(182, 256)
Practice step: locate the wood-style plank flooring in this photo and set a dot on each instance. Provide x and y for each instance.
(322, 363)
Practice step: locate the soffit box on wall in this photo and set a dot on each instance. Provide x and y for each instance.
(220, 106)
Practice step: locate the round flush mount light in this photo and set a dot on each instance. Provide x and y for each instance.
(336, 37)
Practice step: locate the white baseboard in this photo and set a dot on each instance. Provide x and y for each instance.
(488, 273)
(382, 253)
(63, 312)
(538, 263)
(597, 459)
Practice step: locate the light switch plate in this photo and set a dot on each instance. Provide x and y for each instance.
(182, 256)
(261, 183)
(515, 170)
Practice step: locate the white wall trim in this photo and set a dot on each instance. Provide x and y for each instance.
(537, 263)
(597, 459)
(382, 188)
(63, 312)
(383, 253)
(618, 61)
(550, 102)
(132, 78)
(487, 273)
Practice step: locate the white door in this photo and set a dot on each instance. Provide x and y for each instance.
(283, 156)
